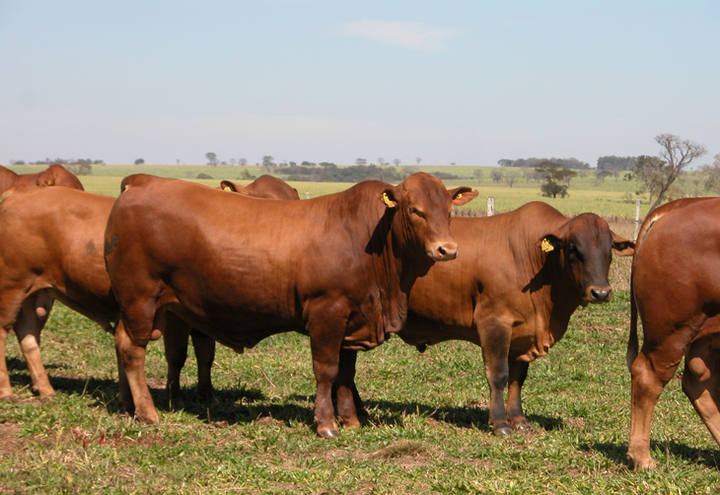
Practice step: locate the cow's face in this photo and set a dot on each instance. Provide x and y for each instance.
(585, 245)
(424, 205)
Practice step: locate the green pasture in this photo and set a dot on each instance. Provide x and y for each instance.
(426, 428)
(613, 197)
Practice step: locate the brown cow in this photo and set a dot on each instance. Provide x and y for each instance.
(512, 290)
(176, 336)
(338, 267)
(55, 175)
(676, 291)
(52, 248)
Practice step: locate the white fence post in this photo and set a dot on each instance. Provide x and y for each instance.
(637, 219)
(490, 206)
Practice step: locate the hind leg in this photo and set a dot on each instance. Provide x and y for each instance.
(175, 339)
(650, 371)
(29, 324)
(701, 381)
(131, 363)
(204, 347)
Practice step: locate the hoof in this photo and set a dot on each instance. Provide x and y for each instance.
(524, 427)
(208, 399)
(329, 433)
(643, 465)
(502, 430)
(351, 424)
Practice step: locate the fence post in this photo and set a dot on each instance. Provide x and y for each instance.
(637, 219)
(490, 206)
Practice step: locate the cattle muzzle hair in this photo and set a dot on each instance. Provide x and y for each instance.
(443, 251)
(598, 294)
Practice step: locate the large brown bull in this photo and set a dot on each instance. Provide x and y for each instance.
(338, 267)
(676, 291)
(51, 249)
(512, 290)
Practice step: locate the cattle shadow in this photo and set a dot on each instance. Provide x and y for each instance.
(391, 413)
(15, 364)
(618, 453)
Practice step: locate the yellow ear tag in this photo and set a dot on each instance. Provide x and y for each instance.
(389, 202)
(546, 246)
(227, 188)
(459, 196)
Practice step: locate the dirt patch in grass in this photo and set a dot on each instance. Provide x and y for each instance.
(9, 441)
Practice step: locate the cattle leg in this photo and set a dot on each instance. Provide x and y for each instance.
(327, 328)
(5, 388)
(518, 373)
(345, 390)
(29, 324)
(701, 383)
(205, 355)
(649, 377)
(175, 338)
(131, 358)
(495, 342)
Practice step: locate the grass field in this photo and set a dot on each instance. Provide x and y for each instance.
(426, 429)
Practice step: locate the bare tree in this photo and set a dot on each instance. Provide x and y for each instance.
(211, 158)
(496, 176)
(478, 173)
(510, 179)
(396, 161)
(418, 160)
(658, 173)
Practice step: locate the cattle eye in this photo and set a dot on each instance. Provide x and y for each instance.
(415, 211)
(573, 253)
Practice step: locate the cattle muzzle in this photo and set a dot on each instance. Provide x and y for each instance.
(443, 251)
(598, 294)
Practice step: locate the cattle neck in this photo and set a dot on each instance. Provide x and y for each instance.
(398, 259)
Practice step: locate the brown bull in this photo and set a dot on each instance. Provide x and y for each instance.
(338, 267)
(512, 290)
(676, 291)
(55, 175)
(52, 249)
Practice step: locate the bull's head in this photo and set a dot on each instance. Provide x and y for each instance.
(584, 247)
(424, 205)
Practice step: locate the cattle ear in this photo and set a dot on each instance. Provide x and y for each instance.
(45, 179)
(550, 243)
(622, 246)
(227, 185)
(388, 197)
(462, 195)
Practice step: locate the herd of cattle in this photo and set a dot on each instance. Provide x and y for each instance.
(236, 264)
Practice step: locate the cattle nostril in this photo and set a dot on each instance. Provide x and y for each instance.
(599, 294)
(441, 251)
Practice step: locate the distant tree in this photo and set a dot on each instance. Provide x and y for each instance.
(711, 174)
(612, 162)
(308, 164)
(396, 161)
(139, 161)
(496, 176)
(418, 160)
(242, 161)
(360, 161)
(81, 167)
(554, 175)
(504, 162)
(478, 173)
(658, 173)
(327, 165)
(510, 178)
(292, 164)
(233, 161)
(211, 158)
(267, 161)
(602, 174)
(381, 161)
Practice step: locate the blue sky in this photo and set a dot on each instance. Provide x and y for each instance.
(466, 82)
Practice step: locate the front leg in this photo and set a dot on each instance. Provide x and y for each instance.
(345, 390)
(326, 322)
(518, 373)
(495, 342)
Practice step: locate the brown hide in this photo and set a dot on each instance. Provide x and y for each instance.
(676, 291)
(508, 295)
(55, 175)
(265, 186)
(53, 248)
(338, 267)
